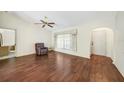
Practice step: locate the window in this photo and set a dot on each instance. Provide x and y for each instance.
(66, 41)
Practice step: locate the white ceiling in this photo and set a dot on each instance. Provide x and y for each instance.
(64, 18)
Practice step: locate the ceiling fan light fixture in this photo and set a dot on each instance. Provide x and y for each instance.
(46, 23)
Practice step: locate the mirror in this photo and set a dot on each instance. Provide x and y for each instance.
(7, 43)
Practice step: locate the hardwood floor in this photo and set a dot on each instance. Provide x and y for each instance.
(58, 67)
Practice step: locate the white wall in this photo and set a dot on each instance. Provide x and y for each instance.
(119, 42)
(110, 43)
(27, 34)
(84, 35)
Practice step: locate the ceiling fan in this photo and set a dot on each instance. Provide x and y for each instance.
(46, 23)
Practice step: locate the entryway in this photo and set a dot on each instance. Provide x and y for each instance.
(102, 42)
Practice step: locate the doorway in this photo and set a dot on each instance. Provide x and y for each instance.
(102, 42)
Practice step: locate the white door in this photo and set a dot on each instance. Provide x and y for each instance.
(99, 43)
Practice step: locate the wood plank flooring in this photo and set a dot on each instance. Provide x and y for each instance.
(59, 67)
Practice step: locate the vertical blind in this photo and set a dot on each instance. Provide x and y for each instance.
(66, 41)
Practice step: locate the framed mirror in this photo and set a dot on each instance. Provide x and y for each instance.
(7, 43)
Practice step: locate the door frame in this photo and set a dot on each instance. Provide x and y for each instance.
(94, 34)
(109, 41)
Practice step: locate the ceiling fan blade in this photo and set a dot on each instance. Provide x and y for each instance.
(50, 26)
(43, 26)
(43, 21)
(51, 23)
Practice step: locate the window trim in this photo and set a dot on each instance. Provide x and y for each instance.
(74, 41)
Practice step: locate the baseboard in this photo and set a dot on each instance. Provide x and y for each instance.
(25, 54)
(71, 54)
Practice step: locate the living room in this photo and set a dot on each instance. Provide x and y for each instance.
(73, 37)
(59, 46)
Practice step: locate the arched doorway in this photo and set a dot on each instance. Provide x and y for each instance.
(102, 42)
